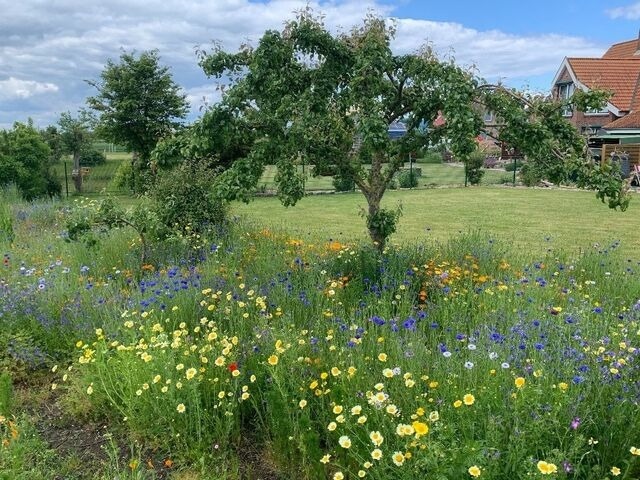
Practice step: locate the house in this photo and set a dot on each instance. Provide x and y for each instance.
(617, 71)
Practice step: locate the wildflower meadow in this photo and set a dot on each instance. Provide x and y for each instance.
(251, 353)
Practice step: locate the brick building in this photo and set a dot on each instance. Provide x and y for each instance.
(618, 71)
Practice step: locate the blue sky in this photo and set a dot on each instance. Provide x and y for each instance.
(589, 18)
(49, 49)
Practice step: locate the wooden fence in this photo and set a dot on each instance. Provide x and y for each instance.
(631, 149)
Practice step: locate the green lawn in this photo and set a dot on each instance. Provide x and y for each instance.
(530, 219)
(440, 174)
(100, 176)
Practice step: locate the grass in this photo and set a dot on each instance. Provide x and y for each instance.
(529, 219)
(433, 174)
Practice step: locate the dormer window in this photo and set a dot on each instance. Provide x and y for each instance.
(565, 91)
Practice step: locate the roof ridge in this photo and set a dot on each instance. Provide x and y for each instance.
(625, 41)
(608, 59)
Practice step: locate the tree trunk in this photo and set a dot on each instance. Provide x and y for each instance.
(77, 172)
(375, 233)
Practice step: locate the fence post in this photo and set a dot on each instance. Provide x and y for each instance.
(66, 180)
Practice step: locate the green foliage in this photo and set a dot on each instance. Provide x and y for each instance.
(430, 156)
(384, 223)
(6, 394)
(51, 135)
(344, 183)
(87, 221)
(473, 167)
(554, 149)
(25, 455)
(6, 217)
(290, 183)
(183, 198)
(24, 160)
(92, 157)
(137, 104)
(328, 101)
(408, 178)
(606, 178)
(511, 166)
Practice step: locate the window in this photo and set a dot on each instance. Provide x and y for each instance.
(565, 90)
(593, 111)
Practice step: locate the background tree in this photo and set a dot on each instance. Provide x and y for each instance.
(24, 160)
(51, 135)
(555, 150)
(76, 139)
(308, 96)
(138, 103)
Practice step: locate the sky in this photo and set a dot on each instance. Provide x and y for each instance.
(50, 48)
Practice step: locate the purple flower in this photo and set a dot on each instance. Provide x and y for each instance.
(575, 423)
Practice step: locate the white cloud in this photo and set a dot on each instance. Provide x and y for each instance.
(630, 12)
(201, 96)
(65, 42)
(14, 88)
(495, 54)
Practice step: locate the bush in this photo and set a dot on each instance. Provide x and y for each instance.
(528, 176)
(184, 198)
(511, 166)
(133, 180)
(473, 168)
(408, 179)
(6, 217)
(344, 183)
(92, 157)
(429, 156)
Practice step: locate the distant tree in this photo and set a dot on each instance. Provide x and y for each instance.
(138, 103)
(76, 138)
(24, 160)
(51, 136)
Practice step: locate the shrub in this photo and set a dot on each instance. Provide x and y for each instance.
(184, 198)
(528, 176)
(6, 218)
(511, 166)
(431, 157)
(473, 168)
(408, 179)
(344, 183)
(92, 157)
(128, 178)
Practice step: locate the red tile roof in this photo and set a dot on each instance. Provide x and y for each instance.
(628, 121)
(620, 76)
(623, 49)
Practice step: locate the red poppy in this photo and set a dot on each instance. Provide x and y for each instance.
(233, 366)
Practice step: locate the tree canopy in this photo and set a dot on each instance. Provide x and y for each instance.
(305, 95)
(308, 96)
(75, 137)
(24, 160)
(138, 103)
